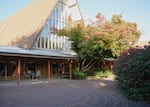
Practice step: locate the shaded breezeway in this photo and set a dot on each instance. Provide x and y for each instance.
(63, 93)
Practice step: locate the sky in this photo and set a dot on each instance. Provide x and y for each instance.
(137, 11)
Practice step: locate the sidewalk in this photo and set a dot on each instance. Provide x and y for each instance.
(28, 82)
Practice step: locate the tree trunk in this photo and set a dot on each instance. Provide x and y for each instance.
(86, 64)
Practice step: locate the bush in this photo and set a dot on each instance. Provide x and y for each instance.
(102, 73)
(132, 69)
(78, 74)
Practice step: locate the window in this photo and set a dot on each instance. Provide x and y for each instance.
(58, 20)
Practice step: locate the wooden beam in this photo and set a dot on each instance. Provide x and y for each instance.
(18, 72)
(49, 70)
(70, 70)
(5, 70)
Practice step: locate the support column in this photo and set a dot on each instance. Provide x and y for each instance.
(5, 69)
(49, 70)
(18, 72)
(70, 69)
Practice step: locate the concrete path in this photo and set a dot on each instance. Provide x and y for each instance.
(64, 93)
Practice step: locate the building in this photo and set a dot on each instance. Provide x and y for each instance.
(142, 43)
(29, 42)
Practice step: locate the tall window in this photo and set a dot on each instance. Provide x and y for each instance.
(58, 20)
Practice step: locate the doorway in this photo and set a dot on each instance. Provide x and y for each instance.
(55, 73)
(2, 69)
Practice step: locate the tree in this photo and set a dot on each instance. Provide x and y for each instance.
(101, 39)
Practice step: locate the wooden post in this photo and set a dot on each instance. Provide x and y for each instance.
(70, 70)
(18, 72)
(49, 71)
(5, 71)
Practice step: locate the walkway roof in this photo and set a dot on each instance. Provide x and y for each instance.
(36, 53)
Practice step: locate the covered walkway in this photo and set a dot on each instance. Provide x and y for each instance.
(15, 63)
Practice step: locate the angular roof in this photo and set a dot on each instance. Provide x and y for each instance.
(21, 28)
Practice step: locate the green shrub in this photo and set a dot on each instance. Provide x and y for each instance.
(132, 69)
(102, 73)
(78, 74)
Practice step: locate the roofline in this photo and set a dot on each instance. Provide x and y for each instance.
(21, 52)
(35, 56)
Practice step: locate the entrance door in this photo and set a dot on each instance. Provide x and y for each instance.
(31, 70)
(2, 69)
(54, 70)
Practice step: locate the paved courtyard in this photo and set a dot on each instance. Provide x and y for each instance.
(63, 93)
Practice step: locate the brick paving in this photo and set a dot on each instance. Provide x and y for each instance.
(65, 93)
